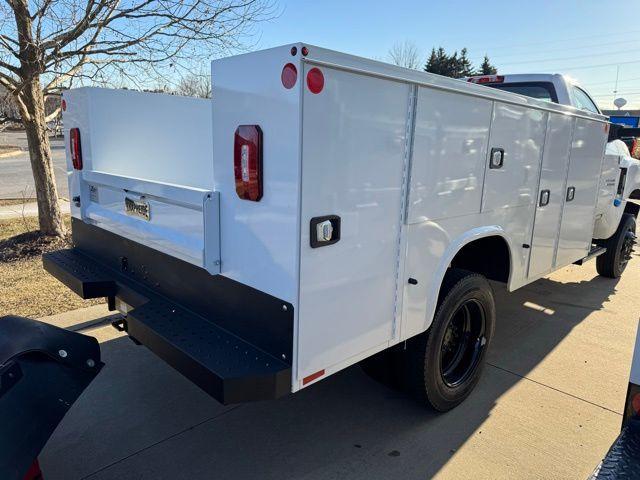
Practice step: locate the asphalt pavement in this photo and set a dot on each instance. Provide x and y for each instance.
(16, 180)
(548, 406)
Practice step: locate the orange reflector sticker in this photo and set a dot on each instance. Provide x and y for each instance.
(312, 377)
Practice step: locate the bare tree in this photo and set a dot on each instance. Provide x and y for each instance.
(49, 45)
(195, 85)
(9, 113)
(405, 54)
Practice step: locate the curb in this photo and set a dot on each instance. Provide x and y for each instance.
(11, 153)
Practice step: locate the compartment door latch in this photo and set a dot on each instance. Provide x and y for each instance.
(324, 231)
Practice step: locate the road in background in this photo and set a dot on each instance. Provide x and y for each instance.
(548, 406)
(16, 180)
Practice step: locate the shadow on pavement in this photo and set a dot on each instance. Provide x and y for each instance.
(141, 419)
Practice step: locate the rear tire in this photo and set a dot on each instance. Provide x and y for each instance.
(444, 364)
(619, 246)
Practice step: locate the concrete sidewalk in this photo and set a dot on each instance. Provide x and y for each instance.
(548, 406)
(28, 209)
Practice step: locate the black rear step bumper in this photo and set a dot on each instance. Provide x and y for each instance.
(232, 341)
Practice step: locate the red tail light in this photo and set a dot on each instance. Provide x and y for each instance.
(247, 162)
(76, 149)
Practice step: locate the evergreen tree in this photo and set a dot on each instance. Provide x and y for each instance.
(439, 62)
(432, 62)
(486, 68)
(456, 65)
(464, 67)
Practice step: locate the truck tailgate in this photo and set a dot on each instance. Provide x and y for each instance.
(146, 170)
(176, 220)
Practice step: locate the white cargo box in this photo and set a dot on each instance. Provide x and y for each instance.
(404, 174)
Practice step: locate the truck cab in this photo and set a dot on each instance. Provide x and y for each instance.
(554, 87)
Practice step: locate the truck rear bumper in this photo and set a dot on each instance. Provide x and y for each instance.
(232, 341)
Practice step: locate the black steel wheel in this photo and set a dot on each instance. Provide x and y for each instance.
(463, 343)
(444, 364)
(619, 248)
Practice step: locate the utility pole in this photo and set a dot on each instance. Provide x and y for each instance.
(615, 89)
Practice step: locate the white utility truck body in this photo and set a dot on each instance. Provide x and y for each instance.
(565, 90)
(323, 198)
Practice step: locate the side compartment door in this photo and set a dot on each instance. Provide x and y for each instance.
(517, 137)
(551, 194)
(585, 163)
(511, 176)
(353, 161)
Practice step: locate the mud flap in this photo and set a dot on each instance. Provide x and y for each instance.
(43, 371)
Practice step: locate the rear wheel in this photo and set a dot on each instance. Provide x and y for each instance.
(619, 247)
(444, 364)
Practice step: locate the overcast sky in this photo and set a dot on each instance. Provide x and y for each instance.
(588, 39)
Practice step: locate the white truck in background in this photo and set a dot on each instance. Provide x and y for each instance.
(324, 208)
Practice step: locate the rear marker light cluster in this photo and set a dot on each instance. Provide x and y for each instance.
(247, 162)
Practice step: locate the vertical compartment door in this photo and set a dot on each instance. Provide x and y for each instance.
(512, 173)
(517, 137)
(551, 194)
(585, 162)
(353, 160)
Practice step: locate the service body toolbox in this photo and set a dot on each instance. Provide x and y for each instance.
(323, 208)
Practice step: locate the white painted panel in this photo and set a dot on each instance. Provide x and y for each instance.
(608, 213)
(431, 245)
(585, 163)
(449, 153)
(520, 132)
(259, 240)
(151, 136)
(76, 115)
(353, 158)
(552, 178)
